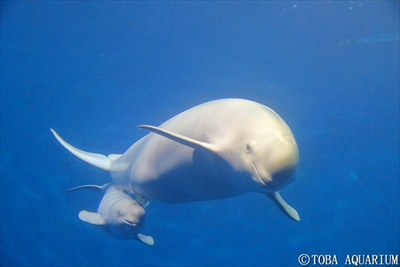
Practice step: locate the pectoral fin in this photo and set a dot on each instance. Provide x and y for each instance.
(181, 139)
(91, 217)
(148, 240)
(283, 206)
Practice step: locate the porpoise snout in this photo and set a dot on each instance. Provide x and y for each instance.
(284, 163)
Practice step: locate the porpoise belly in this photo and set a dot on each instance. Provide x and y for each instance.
(184, 185)
(203, 177)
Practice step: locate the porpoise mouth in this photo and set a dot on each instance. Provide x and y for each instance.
(130, 223)
(277, 180)
(263, 182)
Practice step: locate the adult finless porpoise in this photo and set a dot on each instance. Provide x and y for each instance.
(219, 149)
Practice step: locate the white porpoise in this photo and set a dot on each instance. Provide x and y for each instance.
(219, 149)
(121, 216)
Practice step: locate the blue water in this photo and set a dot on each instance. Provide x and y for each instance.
(95, 70)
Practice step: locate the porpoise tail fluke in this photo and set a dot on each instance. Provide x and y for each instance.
(98, 160)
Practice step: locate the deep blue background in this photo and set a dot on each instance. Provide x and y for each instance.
(96, 70)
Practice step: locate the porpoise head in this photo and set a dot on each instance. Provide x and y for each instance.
(125, 219)
(265, 149)
(272, 161)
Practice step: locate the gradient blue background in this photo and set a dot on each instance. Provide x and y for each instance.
(95, 70)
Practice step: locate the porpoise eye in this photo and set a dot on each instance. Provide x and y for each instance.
(248, 148)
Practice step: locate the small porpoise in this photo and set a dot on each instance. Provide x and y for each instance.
(219, 149)
(121, 216)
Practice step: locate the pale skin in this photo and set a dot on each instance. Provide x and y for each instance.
(219, 149)
(120, 215)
